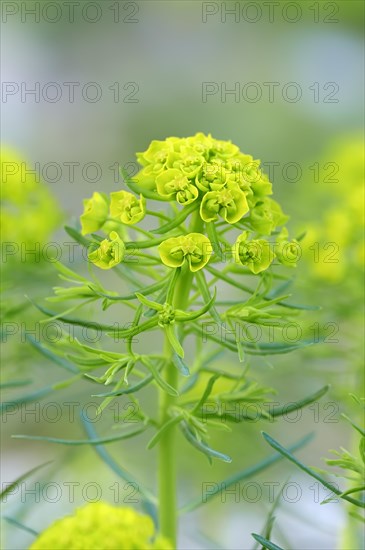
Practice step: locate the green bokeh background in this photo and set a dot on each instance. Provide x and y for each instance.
(168, 54)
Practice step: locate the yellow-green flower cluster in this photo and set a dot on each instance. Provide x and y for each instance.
(100, 211)
(103, 212)
(212, 174)
(29, 212)
(226, 182)
(100, 526)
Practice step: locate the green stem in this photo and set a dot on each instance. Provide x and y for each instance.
(167, 459)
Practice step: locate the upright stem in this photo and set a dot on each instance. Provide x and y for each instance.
(167, 461)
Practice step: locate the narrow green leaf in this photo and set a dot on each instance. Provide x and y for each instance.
(241, 475)
(21, 478)
(357, 428)
(204, 289)
(113, 465)
(186, 316)
(275, 445)
(278, 411)
(100, 441)
(266, 543)
(214, 239)
(161, 298)
(158, 378)
(206, 393)
(177, 220)
(72, 321)
(15, 384)
(143, 244)
(50, 355)
(7, 407)
(133, 186)
(149, 303)
(69, 274)
(180, 365)
(144, 291)
(201, 445)
(76, 235)
(17, 523)
(170, 333)
(131, 389)
(156, 438)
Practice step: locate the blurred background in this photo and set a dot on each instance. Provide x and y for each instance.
(86, 87)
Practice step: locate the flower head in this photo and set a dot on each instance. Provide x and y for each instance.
(95, 213)
(100, 525)
(109, 253)
(255, 254)
(194, 248)
(187, 169)
(126, 208)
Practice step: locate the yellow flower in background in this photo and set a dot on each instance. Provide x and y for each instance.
(29, 212)
(333, 244)
(101, 526)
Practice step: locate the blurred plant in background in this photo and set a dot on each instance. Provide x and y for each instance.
(29, 216)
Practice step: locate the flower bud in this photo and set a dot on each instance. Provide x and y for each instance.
(126, 208)
(255, 254)
(95, 213)
(110, 252)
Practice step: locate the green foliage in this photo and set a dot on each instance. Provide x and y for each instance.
(221, 227)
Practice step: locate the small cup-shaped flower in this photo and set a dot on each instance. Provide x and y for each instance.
(224, 149)
(110, 252)
(230, 203)
(201, 143)
(95, 214)
(157, 152)
(261, 185)
(173, 184)
(287, 252)
(212, 176)
(187, 160)
(256, 254)
(266, 216)
(195, 248)
(126, 208)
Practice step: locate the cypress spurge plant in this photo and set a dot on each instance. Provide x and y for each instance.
(220, 227)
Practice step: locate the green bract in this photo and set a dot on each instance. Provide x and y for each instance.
(126, 208)
(109, 253)
(95, 213)
(287, 252)
(266, 216)
(230, 203)
(255, 254)
(194, 248)
(173, 184)
(187, 160)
